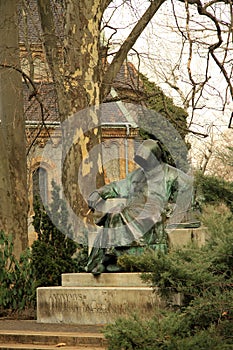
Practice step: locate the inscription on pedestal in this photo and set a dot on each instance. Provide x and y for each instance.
(93, 305)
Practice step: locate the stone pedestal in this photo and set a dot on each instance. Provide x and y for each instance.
(85, 299)
(181, 237)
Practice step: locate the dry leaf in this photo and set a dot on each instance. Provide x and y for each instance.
(60, 345)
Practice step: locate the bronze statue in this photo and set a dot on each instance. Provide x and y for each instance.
(149, 193)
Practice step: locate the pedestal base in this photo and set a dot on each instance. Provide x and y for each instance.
(85, 299)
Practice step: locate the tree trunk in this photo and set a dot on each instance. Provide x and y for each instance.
(13, 170)
(75, 71)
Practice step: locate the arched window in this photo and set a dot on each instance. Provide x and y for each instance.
(40, 185)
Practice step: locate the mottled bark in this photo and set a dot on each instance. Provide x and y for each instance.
(75, 71)
(13, 186)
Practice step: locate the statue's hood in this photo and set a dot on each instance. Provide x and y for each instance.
(148, 155)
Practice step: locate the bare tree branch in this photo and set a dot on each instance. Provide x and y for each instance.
(34, 93)
(121, 55)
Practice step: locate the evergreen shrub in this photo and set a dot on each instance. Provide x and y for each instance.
(54, 252)
(17, 285)
(203, 277)
(213, 190)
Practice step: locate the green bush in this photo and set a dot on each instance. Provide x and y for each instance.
(17, 285)
(213, 190)
(54, 252)
(136, 334)
(203, 277)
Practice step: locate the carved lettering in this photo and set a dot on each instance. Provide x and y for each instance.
(80, 303)
(76, 302)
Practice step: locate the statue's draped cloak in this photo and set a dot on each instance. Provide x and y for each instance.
(149, 196)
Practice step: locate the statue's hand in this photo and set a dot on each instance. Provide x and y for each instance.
(93, 200)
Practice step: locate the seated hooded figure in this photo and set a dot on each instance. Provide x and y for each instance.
(140, 220)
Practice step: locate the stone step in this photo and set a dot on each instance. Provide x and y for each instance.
(13, 346)
(38, 339)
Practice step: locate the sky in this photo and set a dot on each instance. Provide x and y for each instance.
(159, 49)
